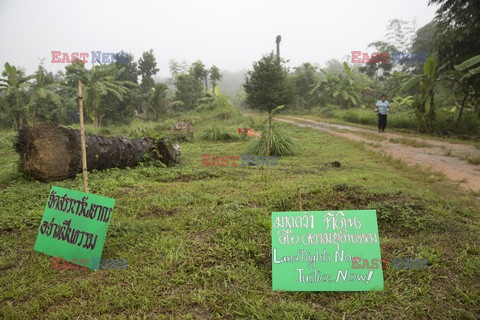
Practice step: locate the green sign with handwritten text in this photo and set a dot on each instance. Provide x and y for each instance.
(313, 251)
(74, 226)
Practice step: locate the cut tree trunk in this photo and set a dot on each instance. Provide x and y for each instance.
(49, 152)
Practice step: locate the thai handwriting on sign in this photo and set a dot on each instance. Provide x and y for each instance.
(333, 222)
(66, 233)
(313, 251)
(76, 207)
(79, 208)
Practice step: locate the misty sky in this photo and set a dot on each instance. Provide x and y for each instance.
(228, 34)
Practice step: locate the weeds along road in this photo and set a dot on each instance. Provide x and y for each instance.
(444, 157)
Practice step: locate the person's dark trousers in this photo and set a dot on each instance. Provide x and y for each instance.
(382, 122)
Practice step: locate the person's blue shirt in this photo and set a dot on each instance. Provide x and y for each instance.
(382, 106)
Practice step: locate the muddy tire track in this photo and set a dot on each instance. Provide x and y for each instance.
(432, 154)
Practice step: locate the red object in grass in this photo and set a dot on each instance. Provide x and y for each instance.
(249, 132)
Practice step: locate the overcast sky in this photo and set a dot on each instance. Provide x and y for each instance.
(228, 34)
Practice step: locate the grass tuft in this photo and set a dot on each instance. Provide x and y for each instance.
(216, 133)
(281, 144)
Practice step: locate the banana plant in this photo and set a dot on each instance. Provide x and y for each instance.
(43, 92)
(344, 88)
(468, 65)
(470, 68)
(98, 83)
(428, 83)
(210, 95)
(403, 103)
(14, 87)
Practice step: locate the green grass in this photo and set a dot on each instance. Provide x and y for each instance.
(217, 133)
(410, 142)
(370, 136)
(472, 159)
(197, 239)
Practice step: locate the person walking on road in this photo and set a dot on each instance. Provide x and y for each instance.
(382, 108)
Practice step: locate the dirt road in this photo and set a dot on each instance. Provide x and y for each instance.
(445, 157)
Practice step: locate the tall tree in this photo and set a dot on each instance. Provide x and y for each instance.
(333, 66)
(147, 66)
(376, 67)
(215, 76)
(122, 111)
(400, 34)
(127, 66)
(424, 42)
(177, 68)
(457, 37)
(198, 70)
(267, 85)
(187, 90)
(303, 79)
(458, 23)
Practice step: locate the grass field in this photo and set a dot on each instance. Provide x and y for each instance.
(198, 241)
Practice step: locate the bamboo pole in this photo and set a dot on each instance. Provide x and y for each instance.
(82, 137)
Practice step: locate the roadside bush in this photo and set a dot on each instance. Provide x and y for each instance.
(446, 124)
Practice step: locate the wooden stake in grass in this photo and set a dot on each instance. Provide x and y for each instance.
(82, 137)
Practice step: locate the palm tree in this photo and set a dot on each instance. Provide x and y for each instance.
(14, 86)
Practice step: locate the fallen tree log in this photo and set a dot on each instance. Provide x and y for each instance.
(49, 152)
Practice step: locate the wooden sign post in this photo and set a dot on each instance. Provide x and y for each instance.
(82, 137)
